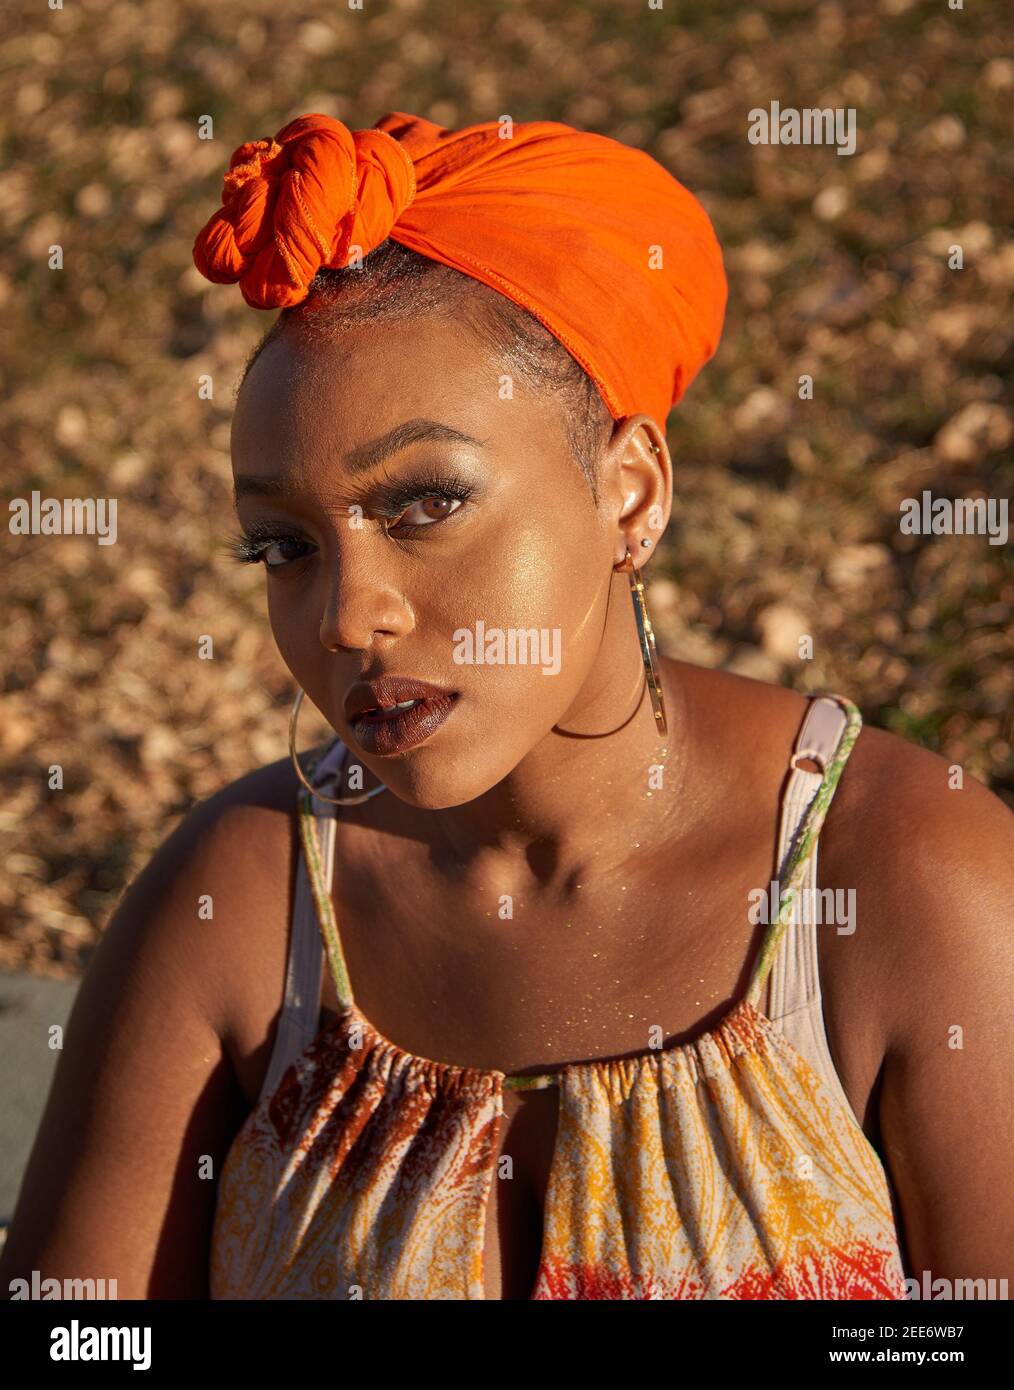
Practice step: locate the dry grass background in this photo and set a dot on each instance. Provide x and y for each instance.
(787, 512)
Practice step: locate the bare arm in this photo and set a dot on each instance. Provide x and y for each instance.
(122, 1178)
(947, 1100)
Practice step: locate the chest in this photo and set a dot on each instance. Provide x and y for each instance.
(517, 976)
(632, 963)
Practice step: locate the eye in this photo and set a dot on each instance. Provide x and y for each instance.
(280, 560)
(421, 502)
(269, 546)
(425, 512)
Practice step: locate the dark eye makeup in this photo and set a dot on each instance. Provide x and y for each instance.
(392, 499)
(387, 500)
(249, 546)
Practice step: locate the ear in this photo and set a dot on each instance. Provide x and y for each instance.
(637, 479)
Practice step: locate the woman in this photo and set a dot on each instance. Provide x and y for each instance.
(538, 1035)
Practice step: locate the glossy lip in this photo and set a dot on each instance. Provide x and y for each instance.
(389, 690)
(395, 732)
(386, 734)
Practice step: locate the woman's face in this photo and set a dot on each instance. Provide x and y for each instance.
(389, 553)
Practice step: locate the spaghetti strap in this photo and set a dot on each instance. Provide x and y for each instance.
(310, 808)
(298, 1021)
(812, 742)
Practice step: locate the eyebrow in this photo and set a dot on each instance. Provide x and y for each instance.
(364, 458)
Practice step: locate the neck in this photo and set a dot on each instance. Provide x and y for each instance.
(603, 787)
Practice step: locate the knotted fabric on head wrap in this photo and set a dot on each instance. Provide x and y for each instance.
(614, 256)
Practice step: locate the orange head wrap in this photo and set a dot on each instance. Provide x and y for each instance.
(615, 257)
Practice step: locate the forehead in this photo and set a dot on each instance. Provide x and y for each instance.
(307, 398)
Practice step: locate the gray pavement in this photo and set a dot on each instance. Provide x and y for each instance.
(29, 1006)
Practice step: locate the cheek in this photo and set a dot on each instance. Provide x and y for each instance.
(528, 623)
(516, 621)
(297, 633)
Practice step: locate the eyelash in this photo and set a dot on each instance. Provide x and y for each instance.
(247, 547)
(396, 498)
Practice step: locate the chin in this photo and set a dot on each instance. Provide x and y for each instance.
(434, 779)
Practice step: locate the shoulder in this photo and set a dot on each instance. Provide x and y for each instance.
(921, 836)
(214, 898)
(742, 730)
(929, 851)
(926, 848)
(231, 829)
(932, 858)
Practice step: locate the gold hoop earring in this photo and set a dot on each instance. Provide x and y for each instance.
(331, 800)
(646, 636)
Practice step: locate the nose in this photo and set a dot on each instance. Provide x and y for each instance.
(360, 610)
